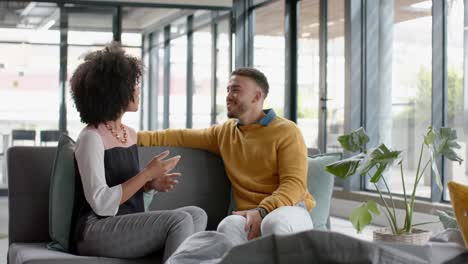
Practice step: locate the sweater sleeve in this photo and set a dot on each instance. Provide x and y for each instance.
(292, 172)
(89, 154)
(206, 139)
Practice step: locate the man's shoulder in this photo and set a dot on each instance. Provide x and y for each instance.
(230, 123)
(284, 124)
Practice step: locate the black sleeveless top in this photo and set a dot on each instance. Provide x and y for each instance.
(120, 165)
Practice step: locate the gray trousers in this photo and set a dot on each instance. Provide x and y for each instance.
(138, 235)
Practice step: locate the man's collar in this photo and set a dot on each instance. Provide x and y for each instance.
(266, 120)
(269, 116)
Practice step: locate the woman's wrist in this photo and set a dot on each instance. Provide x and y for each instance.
(146, 175)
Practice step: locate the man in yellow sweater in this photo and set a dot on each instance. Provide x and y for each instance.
(265, 159)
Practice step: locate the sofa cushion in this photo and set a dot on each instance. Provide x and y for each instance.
(203, 182)
(320, 185)
(37, 253)
(61, 195)
(29, 170)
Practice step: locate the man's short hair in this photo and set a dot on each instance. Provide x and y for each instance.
(255, 75)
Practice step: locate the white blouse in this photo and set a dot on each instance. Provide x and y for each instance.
(89, 154)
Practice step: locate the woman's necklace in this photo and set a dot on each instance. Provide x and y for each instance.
(121, 139)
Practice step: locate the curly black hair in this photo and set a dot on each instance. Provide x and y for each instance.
(103, 85)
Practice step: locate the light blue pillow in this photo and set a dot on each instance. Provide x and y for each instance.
(320, 184)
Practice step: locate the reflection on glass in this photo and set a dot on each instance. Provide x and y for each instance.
(178, 90)
(335, 74)
(457, 110)
(29, 94)
(202, 61)
(161, 87)
(29, 87)
(308, 71)
(222, 71)
(269, 51)
(405, 91)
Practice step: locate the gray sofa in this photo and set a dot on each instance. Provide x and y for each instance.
(203, 184)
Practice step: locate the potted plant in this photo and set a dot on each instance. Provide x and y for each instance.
(373, 163)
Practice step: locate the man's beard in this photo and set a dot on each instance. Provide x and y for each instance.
(241, 107)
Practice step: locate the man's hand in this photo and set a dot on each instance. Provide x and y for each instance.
(252, 225)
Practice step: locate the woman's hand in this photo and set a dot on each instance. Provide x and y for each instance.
(164, 183)
(160, 178)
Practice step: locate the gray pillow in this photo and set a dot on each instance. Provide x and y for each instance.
(62, 194)
(320, 185)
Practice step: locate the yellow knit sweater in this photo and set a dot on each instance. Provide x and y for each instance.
(267, 165)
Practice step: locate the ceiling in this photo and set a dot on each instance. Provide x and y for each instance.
(36, 15)
(269, 24)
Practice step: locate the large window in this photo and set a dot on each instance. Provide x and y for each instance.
(308, 71)
(160, 52)
(399, 105)
(178, 90)
(269, 51)
(335, 73)
(457, 90)
(29, 87)
(223, 70)
(202, 61)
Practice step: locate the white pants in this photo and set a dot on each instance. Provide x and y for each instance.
(283, 220)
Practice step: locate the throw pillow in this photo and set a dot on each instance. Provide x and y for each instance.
(320, 184)
(459, 200)
(62, 194)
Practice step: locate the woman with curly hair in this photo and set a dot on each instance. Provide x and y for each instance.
(110, 219)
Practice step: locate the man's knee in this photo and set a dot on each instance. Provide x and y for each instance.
(232, 222)
(286, 219)
(233, 227)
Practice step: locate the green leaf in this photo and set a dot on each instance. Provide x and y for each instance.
(354, 141)
(380, 158)
(345, 168)
(447, 219)
(361, 216)
(443, 141)
(373, 208)
(430, 136)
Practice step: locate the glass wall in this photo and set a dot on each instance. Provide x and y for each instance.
(202, 61)
(269, 51)
(457, 103)
(28, 74)
(399, 106)
(308, 71)
(160, 95)
(223, 70)
(335, 73)
(178, 87)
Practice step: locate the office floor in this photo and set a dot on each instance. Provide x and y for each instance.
(337, 224)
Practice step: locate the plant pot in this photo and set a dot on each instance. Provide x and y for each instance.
(417, 237)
